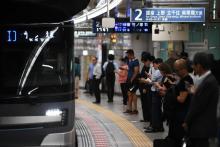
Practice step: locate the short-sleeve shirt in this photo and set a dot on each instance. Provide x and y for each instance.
(144, 69)
(131, 65)
(156, 77)
(182, 108)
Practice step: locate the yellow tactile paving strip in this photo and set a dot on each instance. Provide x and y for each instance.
(138, 138)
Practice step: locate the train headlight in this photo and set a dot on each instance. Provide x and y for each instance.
(58, 113)
(53, 112)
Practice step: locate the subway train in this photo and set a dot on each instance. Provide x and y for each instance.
(36, 77)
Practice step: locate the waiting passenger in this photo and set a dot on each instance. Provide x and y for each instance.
(167, 80)
(201, 121)
(97, 72)
(90, 75)
(145, 88)
(133, 72)
(167, 91)
(122, 79)
(183, 99)
(156, 120)
(216, 72)
(110, 67)
(185, 56)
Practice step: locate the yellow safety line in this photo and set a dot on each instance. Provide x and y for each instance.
(138, 138)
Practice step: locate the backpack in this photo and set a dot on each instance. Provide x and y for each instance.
(110, 69)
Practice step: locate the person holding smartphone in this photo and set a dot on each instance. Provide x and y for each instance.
(156, 113)
(201, 120)
(183, 99)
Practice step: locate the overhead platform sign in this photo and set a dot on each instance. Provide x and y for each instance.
(123, 25)
(168, 15)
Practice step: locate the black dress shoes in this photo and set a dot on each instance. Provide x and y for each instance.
(154, 130)
(96, 102)
(148, 128)
(143, 120)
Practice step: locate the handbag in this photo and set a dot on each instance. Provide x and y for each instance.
(87, 85)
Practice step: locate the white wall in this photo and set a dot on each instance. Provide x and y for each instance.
(171, 32)
(141, 42)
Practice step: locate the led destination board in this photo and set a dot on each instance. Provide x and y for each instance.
(14, 36)
(122, 26)
(168, 15)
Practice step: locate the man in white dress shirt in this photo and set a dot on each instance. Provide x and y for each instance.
(97, 72)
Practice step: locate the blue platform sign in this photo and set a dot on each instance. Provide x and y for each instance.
(168, 15)
(122, 25)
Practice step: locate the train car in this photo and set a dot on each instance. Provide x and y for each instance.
(36, 76)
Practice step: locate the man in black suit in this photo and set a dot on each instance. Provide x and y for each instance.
(201, 121)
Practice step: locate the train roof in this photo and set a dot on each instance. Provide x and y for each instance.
(39, 11)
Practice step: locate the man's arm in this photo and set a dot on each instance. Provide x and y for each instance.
(136, 71)
(87, 77)
(182, 96)
(105, 65)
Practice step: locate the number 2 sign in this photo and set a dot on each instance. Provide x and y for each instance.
(136, 15)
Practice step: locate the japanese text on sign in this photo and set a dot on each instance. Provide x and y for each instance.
(123, 26)
(168, 15)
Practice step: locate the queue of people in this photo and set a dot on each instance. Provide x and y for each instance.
(181, 92)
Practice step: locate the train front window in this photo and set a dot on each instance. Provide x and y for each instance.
(34, 61)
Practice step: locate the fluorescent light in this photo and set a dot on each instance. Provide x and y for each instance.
(53, 112)
(114, 4)
(85, 53)
(112, 52)
(96, 13)
(80, 19)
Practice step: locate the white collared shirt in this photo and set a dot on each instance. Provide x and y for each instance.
(115, 65)
(97, 71)
(199, 79)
